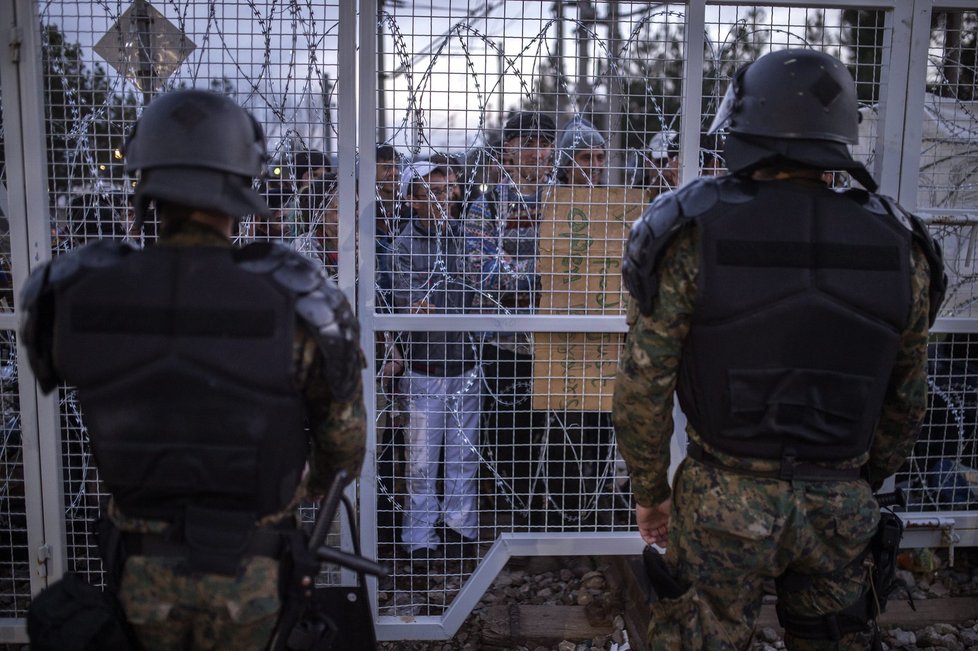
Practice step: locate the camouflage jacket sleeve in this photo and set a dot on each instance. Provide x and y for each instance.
(906, 393)
(338, 429)
(647, 371)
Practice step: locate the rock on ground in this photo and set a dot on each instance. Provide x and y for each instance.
(582, 581)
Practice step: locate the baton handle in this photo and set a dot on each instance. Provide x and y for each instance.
(352, 561)
(327, 510)
(896, 498)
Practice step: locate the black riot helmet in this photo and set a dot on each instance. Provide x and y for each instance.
(796, 106)
(792, 94)
(199, 149)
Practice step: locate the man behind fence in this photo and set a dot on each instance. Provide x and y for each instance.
(792, 321)
(441, 379)
(199, 366)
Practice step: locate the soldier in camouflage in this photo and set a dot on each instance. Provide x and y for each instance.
(219, 385)
(791, 320)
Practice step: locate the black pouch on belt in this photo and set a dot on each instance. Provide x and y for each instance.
(216, 539)
(661, 580)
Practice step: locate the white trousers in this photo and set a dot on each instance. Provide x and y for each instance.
(442, 428)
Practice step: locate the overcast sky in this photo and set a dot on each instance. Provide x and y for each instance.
(267, 50)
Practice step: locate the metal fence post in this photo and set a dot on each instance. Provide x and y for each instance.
(30, 247)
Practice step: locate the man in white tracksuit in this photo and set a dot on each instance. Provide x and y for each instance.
(441, 383)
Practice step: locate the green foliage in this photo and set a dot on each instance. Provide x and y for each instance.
(88, 117)
(862, 50)
(653, 75)
(953, 47)
(954, 60)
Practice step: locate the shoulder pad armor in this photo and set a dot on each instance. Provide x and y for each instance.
(701, 195)
(37, 326)
(735, 189)
(649, 237)
(871, 202)
(37, 301)
(652, 233)
(96, 255)
(931, 250)
(321, 306)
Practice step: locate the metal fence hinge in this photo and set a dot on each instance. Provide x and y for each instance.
(43, 555)
(949, 538)
(16, 37)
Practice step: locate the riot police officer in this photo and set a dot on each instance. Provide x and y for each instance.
(200, 367)
(791, 320)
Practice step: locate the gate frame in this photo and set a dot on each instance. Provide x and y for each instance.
(26, 208)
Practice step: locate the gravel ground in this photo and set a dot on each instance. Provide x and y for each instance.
(582, 581)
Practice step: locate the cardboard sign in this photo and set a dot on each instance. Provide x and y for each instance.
(582, 237)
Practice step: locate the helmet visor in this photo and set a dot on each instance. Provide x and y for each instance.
(728, 105)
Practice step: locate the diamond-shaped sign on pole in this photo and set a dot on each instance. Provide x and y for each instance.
(144, 47)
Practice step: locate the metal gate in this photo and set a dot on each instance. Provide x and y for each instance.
(333, 82)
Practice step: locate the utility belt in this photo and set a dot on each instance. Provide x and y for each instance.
(210, 541)
(261, 542)
(73, 614)
(791, 469)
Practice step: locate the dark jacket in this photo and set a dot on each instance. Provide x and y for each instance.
(427, 266)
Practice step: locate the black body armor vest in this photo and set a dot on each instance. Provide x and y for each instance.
(803, 294)
(183, 360)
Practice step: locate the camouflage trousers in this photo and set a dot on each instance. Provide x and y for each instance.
(733, 535)
(172, 609)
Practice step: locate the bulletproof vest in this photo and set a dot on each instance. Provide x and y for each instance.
(183, 363)
(803, 294)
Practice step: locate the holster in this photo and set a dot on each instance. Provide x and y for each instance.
(860, 614)
(109, 540)
(297, 563)
(663, 585)
(884, 548)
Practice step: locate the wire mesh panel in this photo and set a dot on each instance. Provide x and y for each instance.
(948, 189)
(502, 211)
(468, 457)
(739, 34)
(529, 136)
(949, 154)
(941, 475)
(15, 585)
(83, 492)
(15, 556)
(278, 60)
(103, 62)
